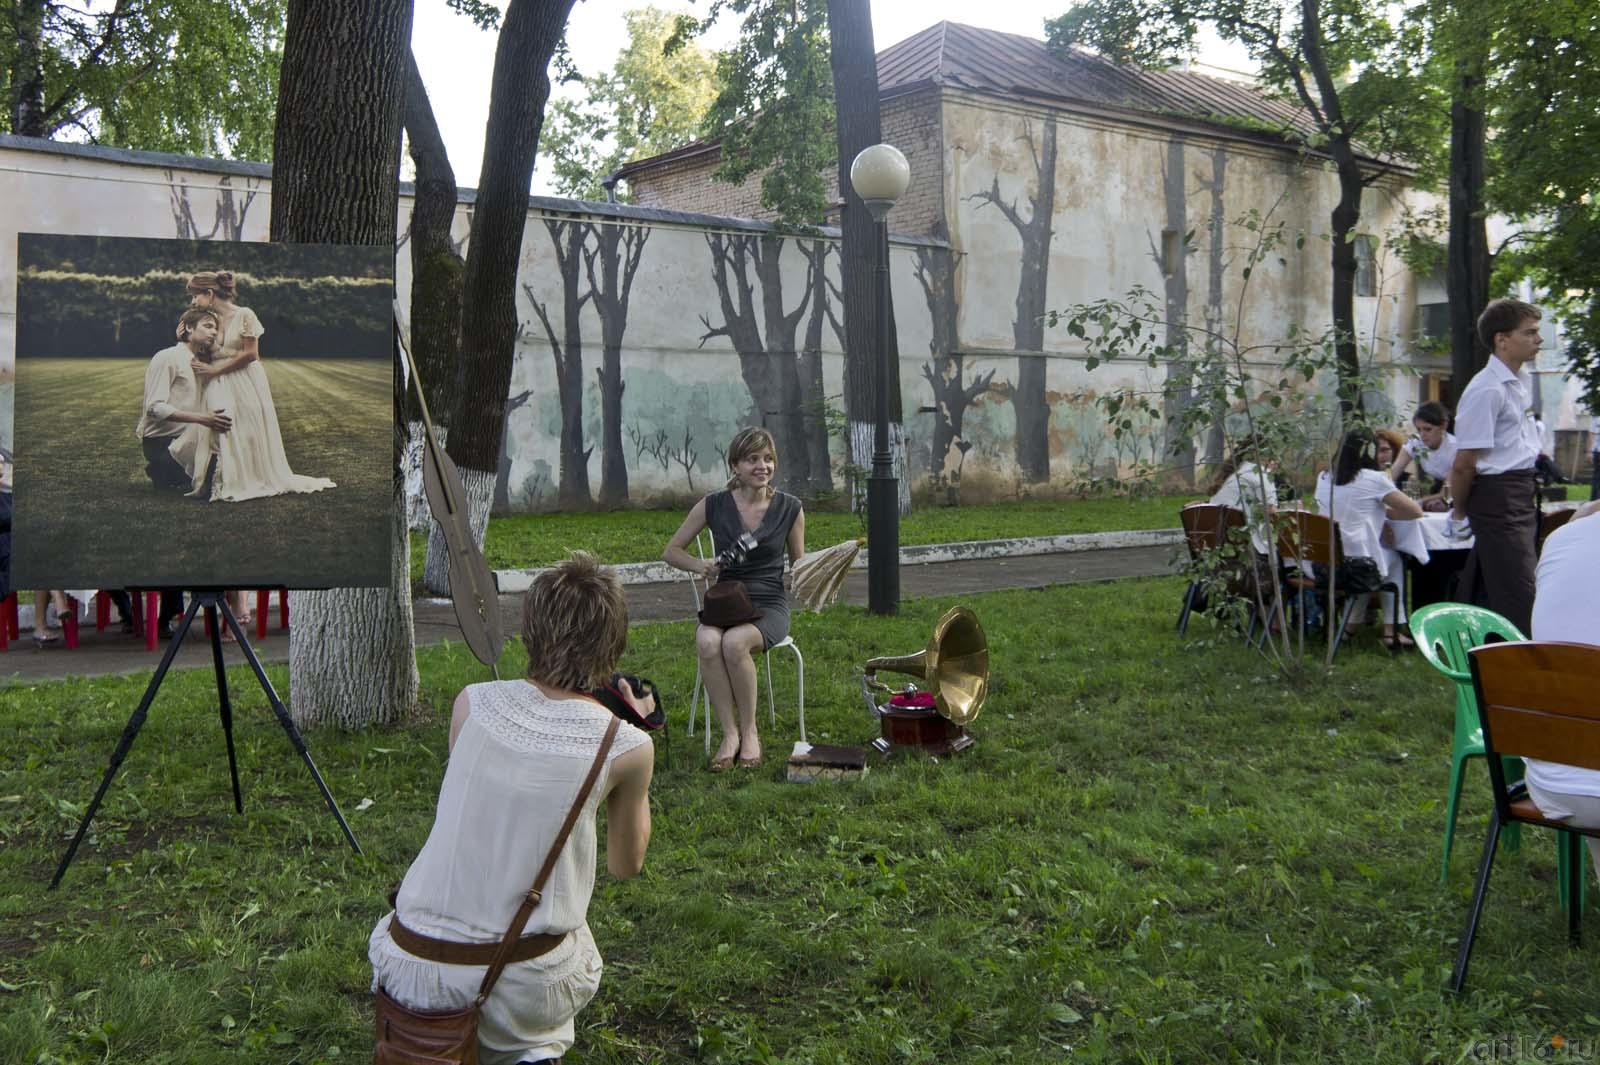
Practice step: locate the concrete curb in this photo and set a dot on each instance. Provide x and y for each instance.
(518, 580)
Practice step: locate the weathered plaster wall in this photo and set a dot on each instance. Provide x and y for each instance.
(910, 122)
(1117, 187)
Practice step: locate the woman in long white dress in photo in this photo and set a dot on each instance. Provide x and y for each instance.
(251, 462)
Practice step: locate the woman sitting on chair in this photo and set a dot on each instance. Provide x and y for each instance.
(749, 507)
(1360, 498)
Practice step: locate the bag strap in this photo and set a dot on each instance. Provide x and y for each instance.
(530, 901)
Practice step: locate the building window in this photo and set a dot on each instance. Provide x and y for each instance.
(1366, 266)
(1171, 251)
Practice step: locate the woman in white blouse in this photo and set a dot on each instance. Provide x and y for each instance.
(1433, 450)
(519, 750)
(1360, 498)
(1247, 486)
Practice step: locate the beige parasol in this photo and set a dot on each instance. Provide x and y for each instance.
(818, 576)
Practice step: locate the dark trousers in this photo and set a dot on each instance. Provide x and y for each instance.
(1499, 571)
(1594, 475)
(163, 470)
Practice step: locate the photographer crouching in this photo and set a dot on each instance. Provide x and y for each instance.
(530, 761)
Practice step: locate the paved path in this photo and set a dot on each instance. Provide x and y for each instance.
(110, 652)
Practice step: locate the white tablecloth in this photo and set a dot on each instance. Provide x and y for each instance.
(1419, 536)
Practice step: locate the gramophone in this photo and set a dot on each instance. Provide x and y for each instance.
(954, 673)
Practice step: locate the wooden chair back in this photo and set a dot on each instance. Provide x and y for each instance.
(1537, 700)
(1206, 526)
(1307, 537)
(1550, 522)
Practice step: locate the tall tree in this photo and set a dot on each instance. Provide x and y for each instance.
(192, 76)
(649, 102)
(1334, 58)
(1541, 84)
(859, 125)
(530, 32)
(336, 151)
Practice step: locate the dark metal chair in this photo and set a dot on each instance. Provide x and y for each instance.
(1536, 700)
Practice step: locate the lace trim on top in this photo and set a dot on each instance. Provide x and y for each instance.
(522, 717)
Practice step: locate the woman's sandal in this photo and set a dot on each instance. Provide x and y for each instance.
(752, 763)
(722, 765)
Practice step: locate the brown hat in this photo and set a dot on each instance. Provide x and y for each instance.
(727, 603)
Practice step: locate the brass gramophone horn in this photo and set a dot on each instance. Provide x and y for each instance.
(954, 666)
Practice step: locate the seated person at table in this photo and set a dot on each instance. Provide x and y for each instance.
(1432, 451)
(1389, 444)
(1566, 589)
(1360, 498)
(1246, 486)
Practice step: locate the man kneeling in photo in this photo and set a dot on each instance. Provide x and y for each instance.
(172, 400)
(520, 751)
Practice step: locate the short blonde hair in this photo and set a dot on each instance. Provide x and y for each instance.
(751, 440)
(574, 624)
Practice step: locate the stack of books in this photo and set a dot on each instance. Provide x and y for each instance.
(818, 761)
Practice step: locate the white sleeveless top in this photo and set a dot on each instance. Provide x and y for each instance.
(513, 774)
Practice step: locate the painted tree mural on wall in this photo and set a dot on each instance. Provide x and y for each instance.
(952, 394)
(227, 220)
(764, 339)
(813, 395)
(569, 236)
(1216, 227)
(1028, 393)
(618, 249)
(1170, 253)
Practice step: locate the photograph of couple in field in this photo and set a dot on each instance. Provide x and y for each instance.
(202, 413)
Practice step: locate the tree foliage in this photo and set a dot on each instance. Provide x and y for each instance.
(1544, 167)
(198, 77)
(775, 111)
(648, 103)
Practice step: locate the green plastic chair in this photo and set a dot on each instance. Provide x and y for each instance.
(1444, 633)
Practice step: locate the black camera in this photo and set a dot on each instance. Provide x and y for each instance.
(612, 698)
(737, 551)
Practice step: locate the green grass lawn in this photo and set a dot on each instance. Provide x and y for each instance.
(1154, 853)
(521, 540)
(86, 515)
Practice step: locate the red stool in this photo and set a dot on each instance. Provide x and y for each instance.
(8, 620)
(152, 621)
(102, 610)
(69, 623)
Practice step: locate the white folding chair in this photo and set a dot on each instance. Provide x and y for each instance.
(700, 546)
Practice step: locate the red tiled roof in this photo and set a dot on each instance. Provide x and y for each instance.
(1009, 64)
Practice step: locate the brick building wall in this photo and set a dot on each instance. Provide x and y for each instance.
(911, 122)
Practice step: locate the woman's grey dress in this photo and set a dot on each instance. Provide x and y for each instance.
(762, 570)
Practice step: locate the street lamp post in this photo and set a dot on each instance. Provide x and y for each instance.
(879, 176)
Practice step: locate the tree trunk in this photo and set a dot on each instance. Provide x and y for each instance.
(1218, 228)
(336, 151)
(1346, 214)
(529, 34)
(857, 126)
(1467, 257)
(27, 70)
(479, 489)
(436, 268)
